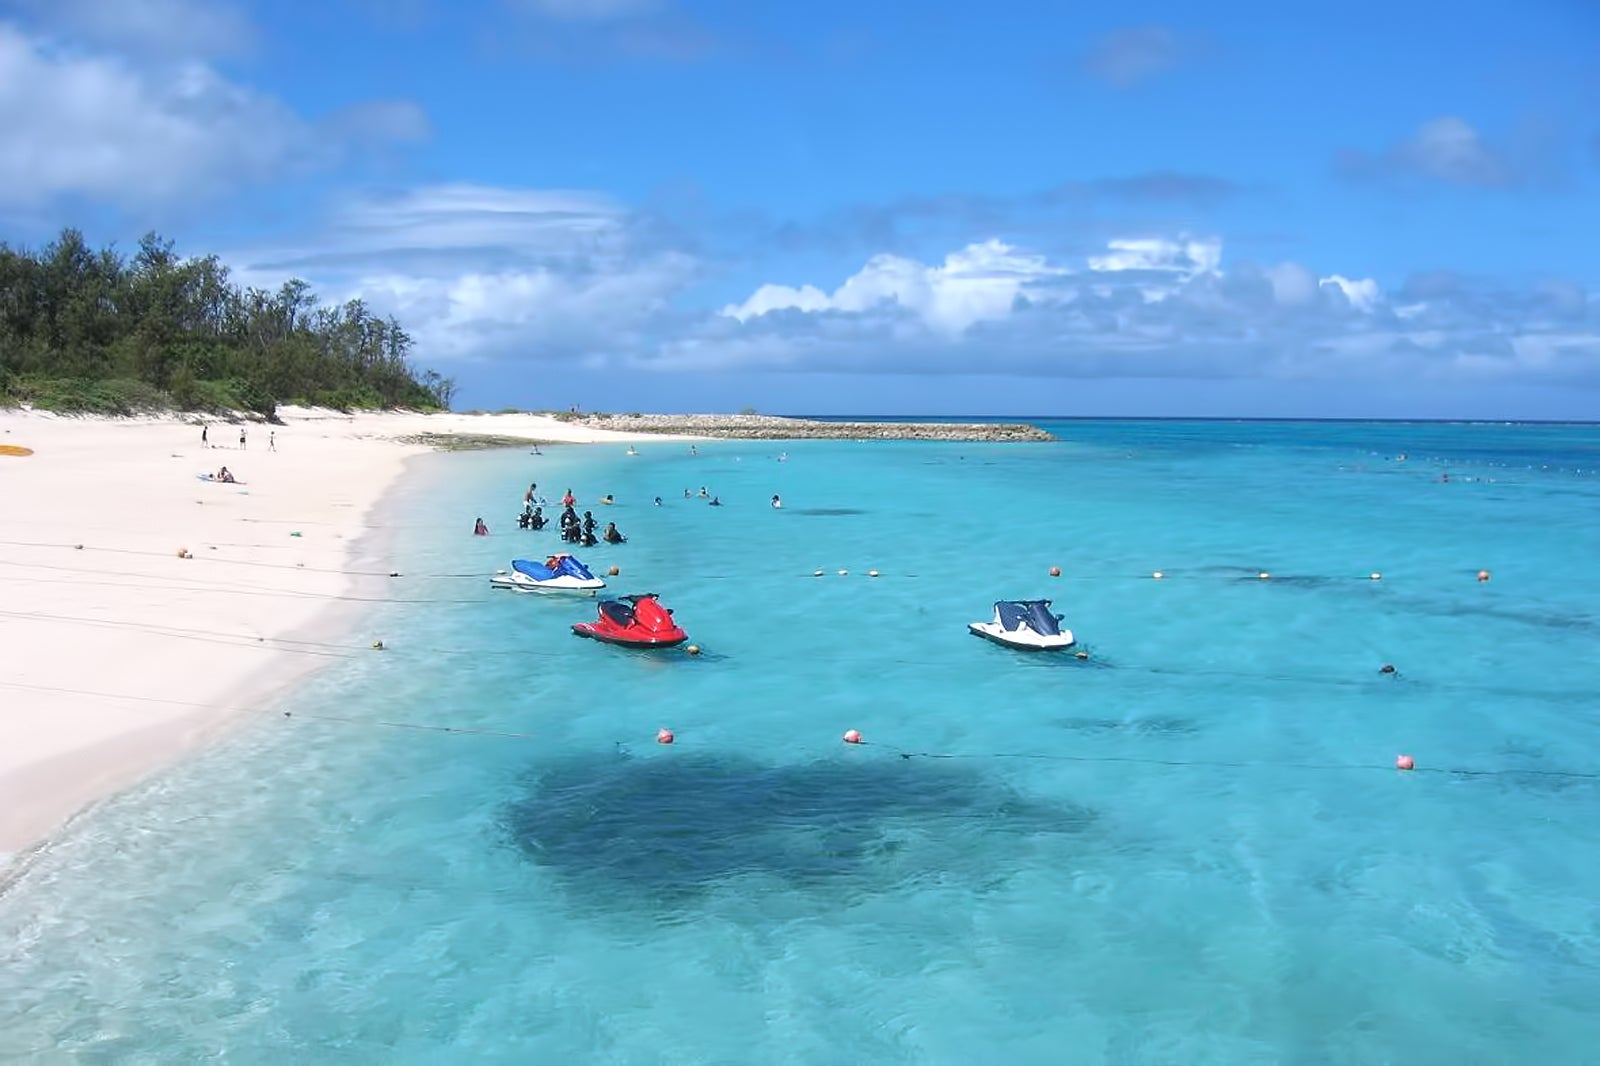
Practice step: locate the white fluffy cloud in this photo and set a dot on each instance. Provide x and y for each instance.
(1144, 306)
(979, 282)
(134, 130)
(1186, 256)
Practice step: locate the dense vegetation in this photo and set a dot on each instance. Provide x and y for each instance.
(83, 330)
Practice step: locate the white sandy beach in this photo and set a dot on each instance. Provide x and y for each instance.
(116, 654)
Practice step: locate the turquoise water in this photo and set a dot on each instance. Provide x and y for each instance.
(1190, 847)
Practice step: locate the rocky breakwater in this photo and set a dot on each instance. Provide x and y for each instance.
(772, 427)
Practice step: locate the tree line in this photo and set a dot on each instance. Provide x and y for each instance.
(91, 330)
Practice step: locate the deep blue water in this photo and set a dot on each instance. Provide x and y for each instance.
(1189, 847)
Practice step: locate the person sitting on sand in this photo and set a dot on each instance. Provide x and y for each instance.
(612, 535)
(480, 530)
(225, 475)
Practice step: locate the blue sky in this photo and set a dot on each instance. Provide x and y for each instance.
(1233, 209)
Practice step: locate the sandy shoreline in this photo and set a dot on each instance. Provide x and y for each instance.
(118, 655)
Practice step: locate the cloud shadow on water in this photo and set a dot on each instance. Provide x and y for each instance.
(664, 832)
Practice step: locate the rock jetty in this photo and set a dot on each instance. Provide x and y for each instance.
(772, 427)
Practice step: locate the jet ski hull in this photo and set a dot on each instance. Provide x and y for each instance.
(1023, 640)
(570, 585)
(637, 621)
(628, 640)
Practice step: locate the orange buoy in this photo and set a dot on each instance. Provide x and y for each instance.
(693, 649)
(664, 736)
(614, 571)
(1405, 762)
(1055, 571)
(852, 736)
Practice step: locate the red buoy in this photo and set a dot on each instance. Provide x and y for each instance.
(852, 736)
(664, 736)
(1405, 762)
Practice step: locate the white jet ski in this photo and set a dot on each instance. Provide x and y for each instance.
(1026, 624)
(558, 573)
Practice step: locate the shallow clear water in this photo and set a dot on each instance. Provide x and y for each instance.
(1190, 847)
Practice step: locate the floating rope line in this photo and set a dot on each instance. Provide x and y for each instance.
(1233, 575)
(902, 753)
(1229, 764)
(299, 594)
(468, 730)
(426, 727)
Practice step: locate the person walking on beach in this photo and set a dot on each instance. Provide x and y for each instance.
(204, 443)
(272, 441)
(241, 438)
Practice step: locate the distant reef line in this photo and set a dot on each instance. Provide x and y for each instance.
(773, 427)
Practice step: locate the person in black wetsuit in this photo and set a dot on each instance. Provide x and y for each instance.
(613, 535)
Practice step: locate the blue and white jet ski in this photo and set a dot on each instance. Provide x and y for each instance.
(558, 573)
(1026, 624)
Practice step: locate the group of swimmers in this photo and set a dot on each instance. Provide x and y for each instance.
(575, 530)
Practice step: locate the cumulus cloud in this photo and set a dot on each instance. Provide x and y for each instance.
(571, 279)
(478, 272)
(1185, 256)
(134, 130)
(1144, 306)
(980, 281)
(1446, 149)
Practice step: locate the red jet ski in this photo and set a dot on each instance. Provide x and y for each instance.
(635, 621)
